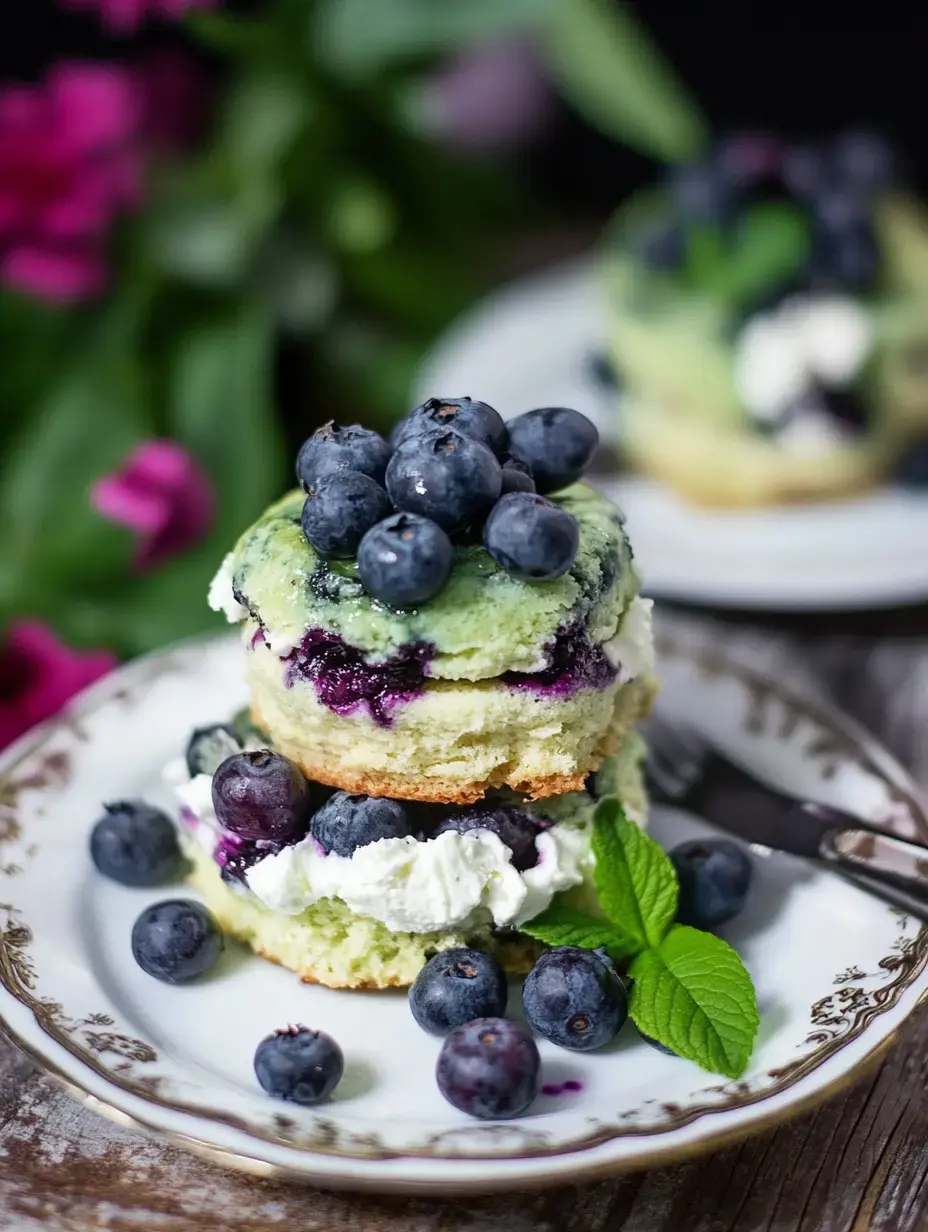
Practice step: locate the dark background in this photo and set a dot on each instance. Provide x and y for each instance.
(801, 69)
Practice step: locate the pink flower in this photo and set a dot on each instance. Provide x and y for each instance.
(163, 495)
(67, 168)
(492, 98)
(38, 674)
(125, 16)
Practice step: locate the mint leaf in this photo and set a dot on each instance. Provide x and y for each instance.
(561, 925)
(635, 881)
(772, 242)
(693, 994)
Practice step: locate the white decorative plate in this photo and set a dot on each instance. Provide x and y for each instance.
(836, 971)
(530, 345)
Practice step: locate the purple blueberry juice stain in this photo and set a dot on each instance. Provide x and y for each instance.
(257, 639)
(189, 818)
(574, 663)
(570, 1087)
(345, 681)
(235, 855)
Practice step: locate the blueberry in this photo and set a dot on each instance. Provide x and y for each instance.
(339, 511)
(457, 986)
(530, 537)
(208, 747)
(446, 476)
(346, 822)
(475, 419)
(864, 161)
(299, 1065)
(489, 1068)
(335, 448)
(846, 406)
(657, 1045)
(911, 470)
(844, 259)
(405, 560)
(661, 246)
(556, 442)
(135, 844)
(517, 477)
(702, 193)
(176, 940)
(261, 795)
(515, 827)
(714, 875)
(574, 998)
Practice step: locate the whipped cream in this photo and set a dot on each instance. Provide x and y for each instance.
(631, 650)
(407, 884)
(781, 355)
(220, 596)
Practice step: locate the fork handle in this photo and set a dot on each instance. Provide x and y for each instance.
(875, 858)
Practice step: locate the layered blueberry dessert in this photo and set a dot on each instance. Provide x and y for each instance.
(768, 323)
(459, 617)
(353, 890)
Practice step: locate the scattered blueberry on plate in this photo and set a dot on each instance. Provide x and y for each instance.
(714, 876)
(262, 795)
(208, 747)
(346, 822)
(455, 987)
(489, 1068)
(299, 1065)
(135, 844)
(176, 940)
(574, 998)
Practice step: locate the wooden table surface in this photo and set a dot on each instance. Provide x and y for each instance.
(858, 1162)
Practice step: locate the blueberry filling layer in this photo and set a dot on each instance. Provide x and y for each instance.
(235, 855)
(344, 680)
(574, 663)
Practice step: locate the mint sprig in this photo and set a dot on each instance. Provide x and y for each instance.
(693, 994)
(691, 991)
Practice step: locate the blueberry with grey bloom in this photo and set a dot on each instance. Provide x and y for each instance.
(574, 998)
(340, 510)
(466, 416)
(208, 747)
(135, 844)
(334, 448)
(714, 876)
(405, 560)
(515, 827)
(489, 1068)
(299, 1065)
(517, 477)
(531, 537)
(657, 1045)
(262, 795)
(176, 940)
(346, 822)
(556, 442)
(457, 986)
(446, 476)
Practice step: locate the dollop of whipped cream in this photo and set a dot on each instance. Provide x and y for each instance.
(783, 356)
(220, 595)
(408, 884)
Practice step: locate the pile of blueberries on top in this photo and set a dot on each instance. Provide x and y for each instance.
(489, 1065)
(834, 183)
(452, 468)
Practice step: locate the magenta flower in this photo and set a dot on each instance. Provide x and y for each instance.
(163, 495)
(494, 97)
(67, 168)
(38, 674)
(125, 16)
